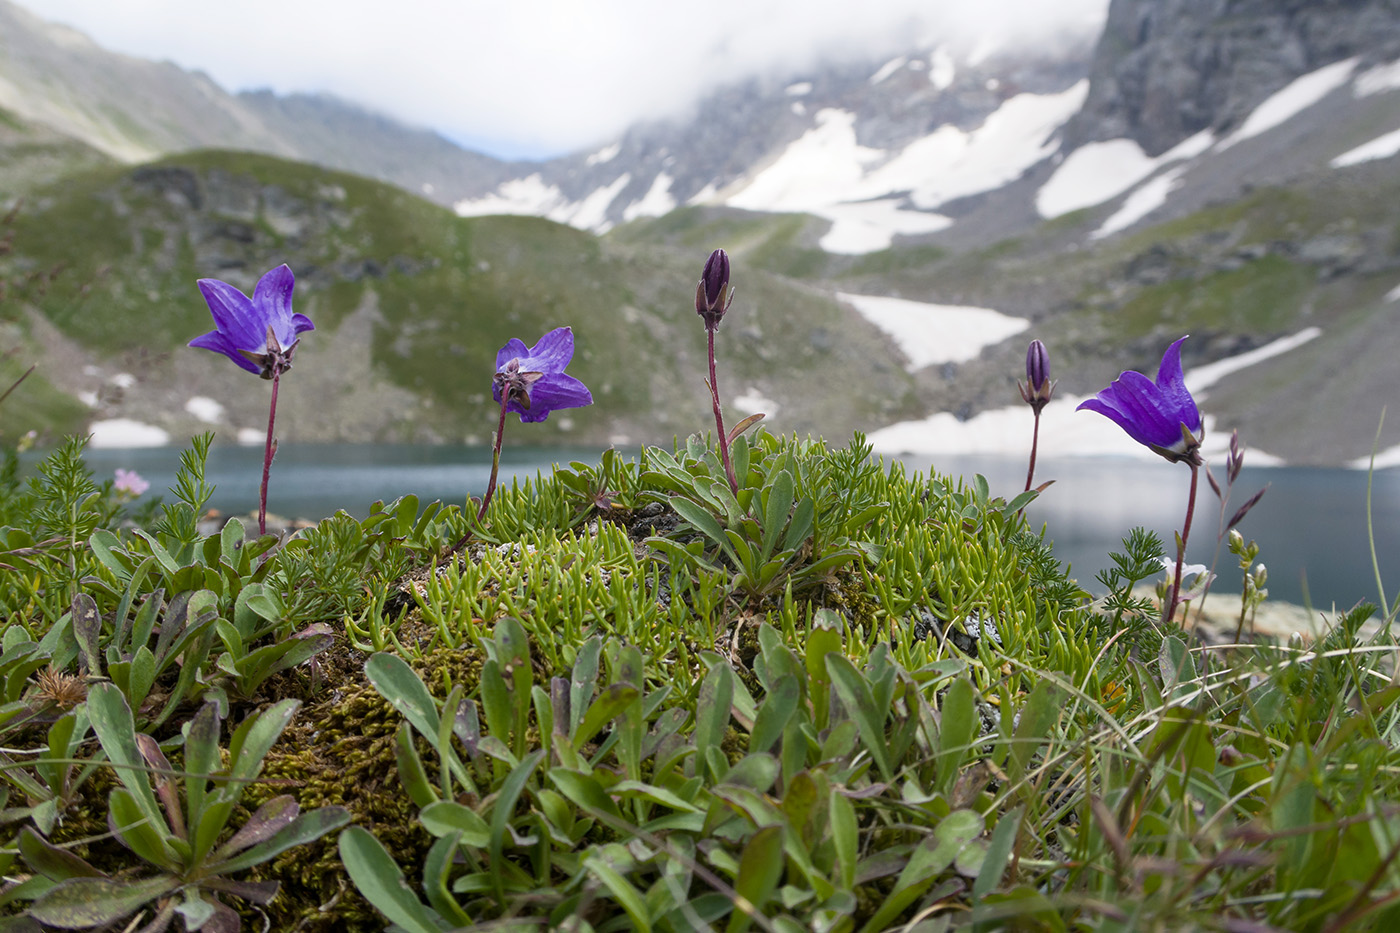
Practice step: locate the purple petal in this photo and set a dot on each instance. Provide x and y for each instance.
(235, 315)
(216, 341)
(1171, 384)
(301, 322)
(513, 350)
(552, 353)
(273, 296)
(551, 393)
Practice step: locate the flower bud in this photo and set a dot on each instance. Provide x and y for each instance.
(713, 295)
(1038, 388)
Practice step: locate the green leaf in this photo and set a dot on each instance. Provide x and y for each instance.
(398, 684)
(50, 860)
(88, 902)
(856, 696)
(998, 853)
(448, 817)
(777, 504)
(112, 723)
(379, 879)
(845, 837)
(958, 728)
(778, 707)
(760, 870)
(87, 627)
(504, 809)
(621, 890)
(437, 869)
(712, 708)
(305, 828)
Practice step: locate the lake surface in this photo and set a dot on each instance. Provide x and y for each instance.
(1311, 525)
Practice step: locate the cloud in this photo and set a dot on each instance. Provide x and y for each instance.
(539, 76)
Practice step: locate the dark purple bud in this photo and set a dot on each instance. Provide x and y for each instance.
(713, 295)
(1038, 387)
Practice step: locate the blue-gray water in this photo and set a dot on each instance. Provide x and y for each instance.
(1310, 525)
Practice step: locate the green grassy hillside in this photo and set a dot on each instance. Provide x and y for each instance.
(411, 303)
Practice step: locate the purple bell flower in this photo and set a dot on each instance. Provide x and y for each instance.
(1038, 388)
(534, 379)
(258, 333)
(713, 295)
(1160, 415)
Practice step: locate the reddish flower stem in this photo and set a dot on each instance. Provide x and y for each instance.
(267, 454)
(719, 419)
(1169, 612)
(495, 460)
(1035, 442)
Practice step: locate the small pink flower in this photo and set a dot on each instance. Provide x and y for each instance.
(130, 483)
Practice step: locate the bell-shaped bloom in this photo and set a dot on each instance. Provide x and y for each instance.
(258, 333)
(534, 378)
(1038, 388)
(1160, 415)
(713, 294)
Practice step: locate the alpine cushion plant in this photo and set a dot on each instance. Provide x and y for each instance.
(532, 383)
(260, 334)
(1162, 416)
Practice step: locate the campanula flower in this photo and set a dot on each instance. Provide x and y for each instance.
(713, 295)
(1038, 388)
(259, 333)
(534, 381)
(1160, 415)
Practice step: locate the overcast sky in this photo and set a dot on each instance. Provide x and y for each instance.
(534, 78)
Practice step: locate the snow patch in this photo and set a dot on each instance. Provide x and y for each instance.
(1203, 377)
(1092, 174)
(1382, 147)
(250, 437)
(928, 333)
(1297, 96)
(814, 171)
(799, 108)
(205, 409)
(1393, 294)
(123, 380)
(941, 69)
(867, 226)
(530, 195)
(1097, 172)
(1141, 202)
(753, 401)
(88, 398)
(800, 89)
(124, 432)
(1384, 459)
(591, 212)
(606, 154)
(887, 69)
(1377, 80)
(655, 202)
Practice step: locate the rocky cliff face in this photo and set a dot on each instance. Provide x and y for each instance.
(1166, 69)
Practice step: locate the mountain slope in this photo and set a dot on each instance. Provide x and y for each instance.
(411, 304)
(134, 110)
